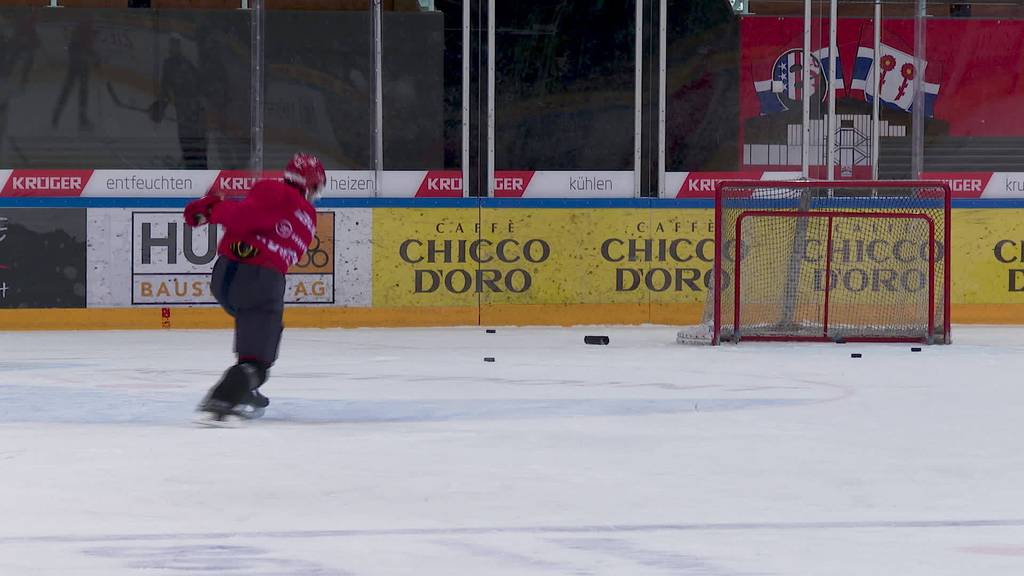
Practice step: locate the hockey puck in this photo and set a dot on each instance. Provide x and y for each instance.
(855, 355)
(840, 341)
(915, 349)
(488, 359)
(490, 331)
(595, 339)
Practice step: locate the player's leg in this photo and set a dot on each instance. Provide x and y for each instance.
(224, 271)
(235, 384)
(258, 329)
(259, 325)
(255, 295)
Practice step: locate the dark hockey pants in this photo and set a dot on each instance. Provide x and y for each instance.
(254, 296)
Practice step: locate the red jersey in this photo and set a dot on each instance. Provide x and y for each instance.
(272, 227)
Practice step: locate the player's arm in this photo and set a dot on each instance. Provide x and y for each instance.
(197, 212)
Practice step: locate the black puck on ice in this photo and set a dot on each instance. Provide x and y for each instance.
(855, 355)
(595, 339)
(915, 349)
(491, 331)
(488, 359)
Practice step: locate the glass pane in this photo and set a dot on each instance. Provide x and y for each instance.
(422, 99)
(564, 97)
(124, 88)
(319, 86)
(772, 89)
(972, 126)
(703, 94)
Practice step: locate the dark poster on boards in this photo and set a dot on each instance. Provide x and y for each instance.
(42, 258)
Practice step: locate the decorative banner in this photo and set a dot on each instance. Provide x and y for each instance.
(462, 257)
(42, 258)
(171, 262)
(441, 257)
(968, 76)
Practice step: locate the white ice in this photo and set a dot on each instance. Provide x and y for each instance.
(401, 452)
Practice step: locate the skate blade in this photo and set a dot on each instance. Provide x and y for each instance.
(217, 421)
(237, 417)
(248, 411)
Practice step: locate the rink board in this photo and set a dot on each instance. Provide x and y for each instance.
(451, 262)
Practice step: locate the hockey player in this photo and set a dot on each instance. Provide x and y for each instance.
(263, 235)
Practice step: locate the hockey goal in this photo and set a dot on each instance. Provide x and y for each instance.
(829, 261)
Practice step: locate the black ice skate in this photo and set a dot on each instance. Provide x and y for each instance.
(257, 399)
(234, 398)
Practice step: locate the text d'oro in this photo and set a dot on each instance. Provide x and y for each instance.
(461, 281)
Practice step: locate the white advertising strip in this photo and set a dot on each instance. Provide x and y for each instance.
(360, 183)
(195, 183)
(702, 184)
(405, 183)
(674, 183)
(566, 184)
(350, 183)
(395, 184)
(981, 184)
(136, 183)
(437, 183)
(1000, 185)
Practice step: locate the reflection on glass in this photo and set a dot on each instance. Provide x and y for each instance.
(319, 87)
(422, 85)
(702, 85)
(963, 83)
(124, 88)
(564, 95)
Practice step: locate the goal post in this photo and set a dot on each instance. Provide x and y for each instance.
(829, 261)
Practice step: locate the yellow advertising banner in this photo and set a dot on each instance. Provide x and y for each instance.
(549, 260)
(466, 257)
(988, 265)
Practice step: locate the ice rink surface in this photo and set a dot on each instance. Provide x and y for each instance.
(401, 452)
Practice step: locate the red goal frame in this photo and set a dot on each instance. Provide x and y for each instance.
(831, 215)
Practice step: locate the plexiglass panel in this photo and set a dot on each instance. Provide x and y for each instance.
(565, 83)
(124, 88)
(319, 85)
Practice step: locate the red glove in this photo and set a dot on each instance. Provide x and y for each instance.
(198, 211)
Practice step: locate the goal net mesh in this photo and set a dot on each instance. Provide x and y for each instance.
(829, 261)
